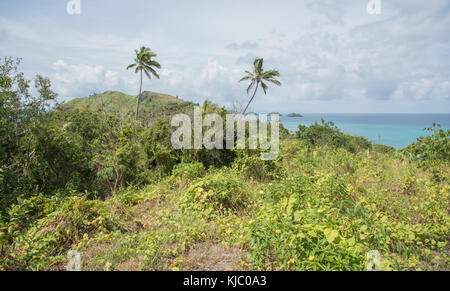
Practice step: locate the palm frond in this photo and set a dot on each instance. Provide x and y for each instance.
(264, 86)
(245, 78)
(271, 74)
(250, 73)
(154, 73)
(148, 75)
(153, 63)
(258, 62)
(259, 65)
(251, 86)
(144, 61)
(273, 81)
(258, 76)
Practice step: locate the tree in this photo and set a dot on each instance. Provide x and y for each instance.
(259, 77)
(144, 64)
(21, 115)
(46, 95)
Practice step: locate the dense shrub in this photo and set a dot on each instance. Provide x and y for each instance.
(162, 157)
(250, 165)
(157, 145)
(60, 161)
(285, 240)
(294, 230)
(327, 133)
(189, 171)
(432, 150)
(221, 192)
(44, 244)
(380, 148)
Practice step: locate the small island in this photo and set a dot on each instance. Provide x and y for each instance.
(295, 115)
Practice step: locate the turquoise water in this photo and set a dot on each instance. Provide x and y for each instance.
(396, 130)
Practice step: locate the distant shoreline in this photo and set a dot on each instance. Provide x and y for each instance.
(396, 130)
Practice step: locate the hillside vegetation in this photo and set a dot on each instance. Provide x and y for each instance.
(122, 105)
(116, 191)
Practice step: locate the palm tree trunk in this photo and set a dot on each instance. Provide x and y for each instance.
(248, 104)
(139, 99)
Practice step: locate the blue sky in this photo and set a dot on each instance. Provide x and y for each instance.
(333, 56)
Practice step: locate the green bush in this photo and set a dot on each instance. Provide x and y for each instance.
(119, 158)
(380, 148)
(281, 241)
(47, 241)
(189, 171)
(161, 155)
(217, 193)
(327, 133)
(249, 164)
(432, 150)
(60, 161)
(27, 211)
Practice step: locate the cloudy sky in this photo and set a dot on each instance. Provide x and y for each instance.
(333, 56)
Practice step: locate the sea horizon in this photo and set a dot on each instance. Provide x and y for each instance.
(392, 129)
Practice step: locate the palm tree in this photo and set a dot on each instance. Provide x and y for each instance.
(258, 77)
(144, 64)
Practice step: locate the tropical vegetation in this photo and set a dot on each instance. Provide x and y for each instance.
(85, 176)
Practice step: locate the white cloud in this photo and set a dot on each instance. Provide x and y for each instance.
(245, 45)
(334, 13)
(71, 80)
(328, 52)
(211, 80)
(15, 29)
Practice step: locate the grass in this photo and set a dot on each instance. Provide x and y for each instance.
(122, 105)
(325, 209)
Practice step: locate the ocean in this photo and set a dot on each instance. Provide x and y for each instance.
(396, 130)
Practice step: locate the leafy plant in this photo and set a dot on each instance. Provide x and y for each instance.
(219, 192)
(432, 150)
(189, 171)
(328, 133)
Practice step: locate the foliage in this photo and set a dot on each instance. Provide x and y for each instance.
(45, 243)
(20, 113)
(153, 105)
(189, 171)
(383, 149)
(432, 150)
(338, 206)
(116, 191)
(220, 192)
(158, 147)
(328, 133)
(250, 165)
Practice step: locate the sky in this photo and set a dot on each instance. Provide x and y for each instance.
(333, 56)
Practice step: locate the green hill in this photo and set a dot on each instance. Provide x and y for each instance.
(153, 104)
